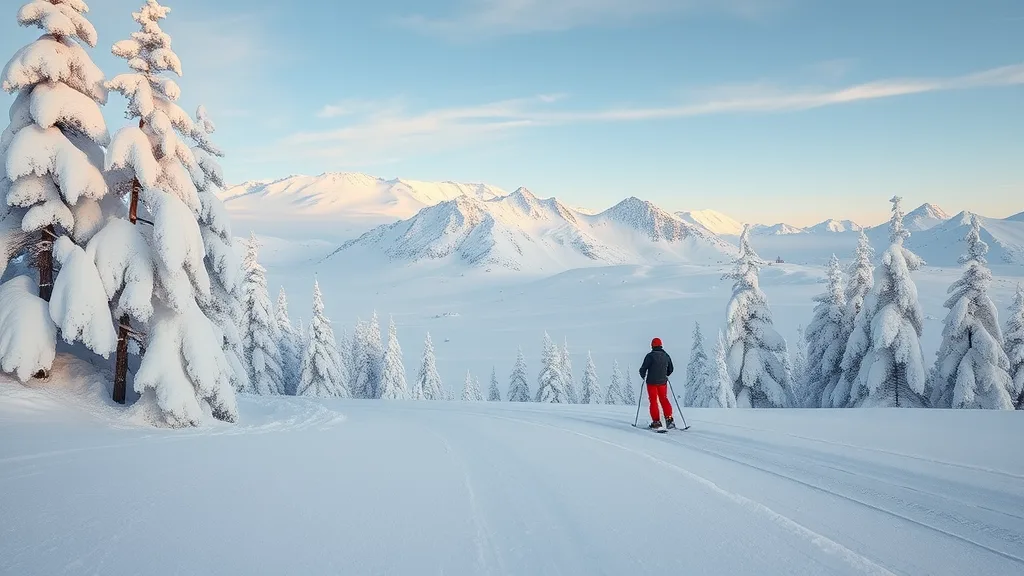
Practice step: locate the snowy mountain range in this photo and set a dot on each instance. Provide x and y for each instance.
(521, 232)
(483, 226)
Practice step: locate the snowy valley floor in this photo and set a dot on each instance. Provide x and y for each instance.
(370, 487)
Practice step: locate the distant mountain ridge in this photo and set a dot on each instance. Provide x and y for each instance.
(521, 232)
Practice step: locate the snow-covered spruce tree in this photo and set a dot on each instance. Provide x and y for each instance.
(223, 265)
(626, 387)
(972, 369)
(289, 345)
(260, 335)
(493, 394)
(799, 366)
(322, 374)
(428, 381)
(393, 385)
(715, 391)
(861, 281)
(613, 395)
(886, 340)
(471, 389)
(373, 349)
(1015, 347)
(825, 341)
(591, 392)
(184, 365)
(518, 384)
(51, 180)
(551, 380)
(757, 353)
(570, 382)
(697, 370)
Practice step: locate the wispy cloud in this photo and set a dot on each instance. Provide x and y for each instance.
(390, 129)
(505, 17)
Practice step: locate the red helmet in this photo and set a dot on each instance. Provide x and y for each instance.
(656, 343)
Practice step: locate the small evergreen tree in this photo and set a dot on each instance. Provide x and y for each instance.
(628, 394)
(613, 395)
(428, 381)
(518, 385)
(1015, 347)
(471, 389)
(393, 384)
(972, 370)
(321, 374)
(289, 344)
(360, 361)
(697, 370)
(493, 395)
(260, 336)
(718, 393)
(757, 353)
(825, 342)
(374, 350)
(861, 282)
(551, 381)
(886, 341)
(591, 385)
(570, 382)
(799, 367)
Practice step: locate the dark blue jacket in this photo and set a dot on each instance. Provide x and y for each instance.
(657, 366)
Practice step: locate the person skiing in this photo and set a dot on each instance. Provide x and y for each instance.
(656, 369)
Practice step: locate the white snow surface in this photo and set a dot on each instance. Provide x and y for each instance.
(502, 488)
(712, 220)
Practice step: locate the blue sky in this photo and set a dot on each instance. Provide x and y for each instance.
(767, 110)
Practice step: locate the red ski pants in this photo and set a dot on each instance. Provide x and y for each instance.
(658, 393)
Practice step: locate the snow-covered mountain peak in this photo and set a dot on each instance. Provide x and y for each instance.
(712, 220)
(781, 229)
(836, 226)
(924, 217)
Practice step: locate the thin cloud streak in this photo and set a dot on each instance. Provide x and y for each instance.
(390, 129)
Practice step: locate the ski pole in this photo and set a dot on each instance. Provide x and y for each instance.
(639, 399)
(678, 408)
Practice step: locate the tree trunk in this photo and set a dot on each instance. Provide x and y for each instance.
(44, 262)
(121, 360)
(121, 365)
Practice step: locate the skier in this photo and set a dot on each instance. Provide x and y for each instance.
(656, 369)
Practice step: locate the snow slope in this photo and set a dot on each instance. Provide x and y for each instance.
(712, 220)
(521, 232)
(376, 487)
(355, 202)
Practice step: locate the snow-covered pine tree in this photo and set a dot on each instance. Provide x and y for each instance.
(290, 345)
(321, 374)
(972, 369)
(493, 394)
(428, 381)
(757, 353)
(51, 180)
(360, 361)
(861, 282)
(628, 392)
(886, 340)
(184, 364)
(715, 391)
(471, 389)
(570, 381)
(393, 385)
(551, 380)
(698, 369)
(825, 341)
(518, 383)
(223, 265)
(260, 335)
(373, 348)
(613, 395)
(799, 367)
(1015, 347)
(591, 392)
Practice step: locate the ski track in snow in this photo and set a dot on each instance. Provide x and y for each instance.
(376, 487)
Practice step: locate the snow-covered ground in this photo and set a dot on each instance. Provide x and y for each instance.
(372, 487)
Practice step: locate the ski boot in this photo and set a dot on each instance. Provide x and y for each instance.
(655, 425)
(670, 423)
